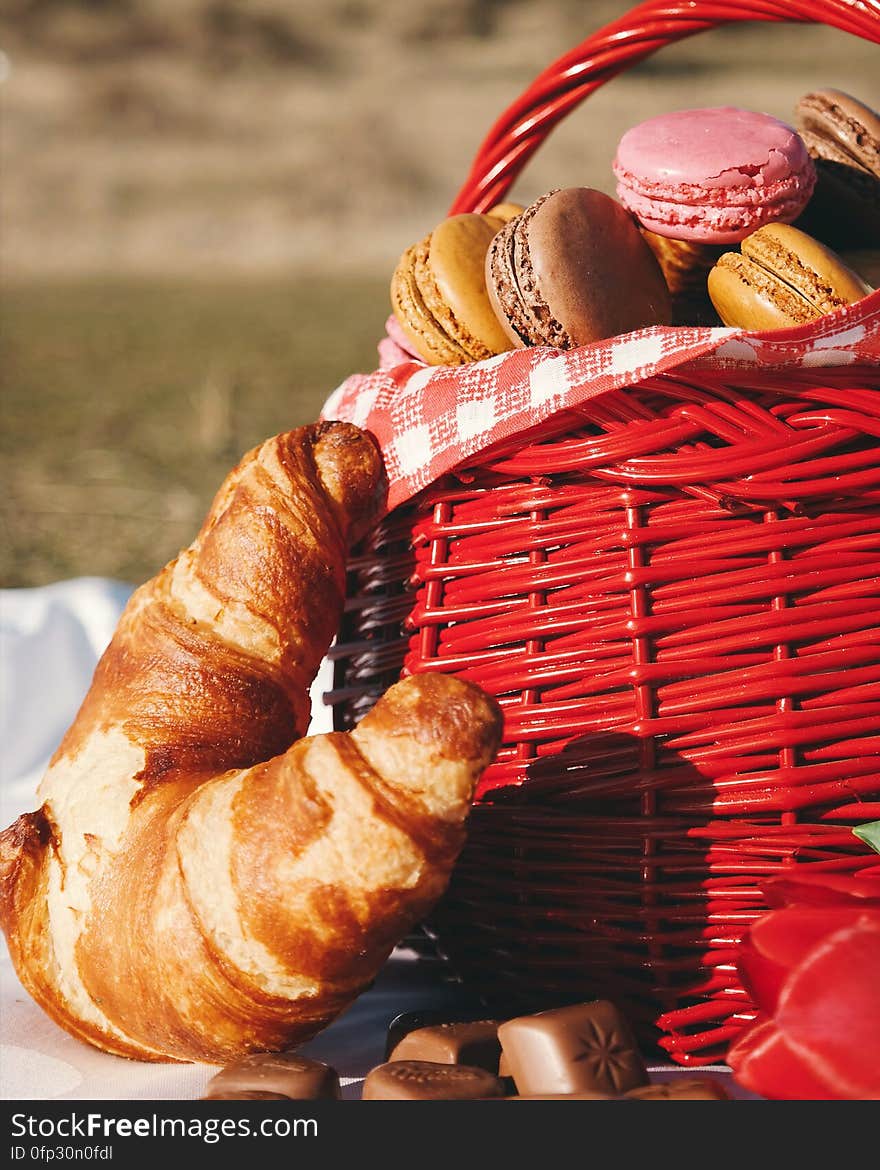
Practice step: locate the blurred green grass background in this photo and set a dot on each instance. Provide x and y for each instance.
(127, 402)
(203, 202)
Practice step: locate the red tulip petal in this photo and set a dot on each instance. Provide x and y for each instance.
(762, 978)
(822, 889)
(763, 1061)
(829, 1010)
(786, 937)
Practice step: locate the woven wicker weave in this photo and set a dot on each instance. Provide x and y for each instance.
(673, 593)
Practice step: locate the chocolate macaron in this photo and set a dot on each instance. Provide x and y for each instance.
(843, 136)
(780, 278)
(574, 268)
(438, 292)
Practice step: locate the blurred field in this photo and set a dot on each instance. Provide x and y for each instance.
(127, 402)
(203, 200)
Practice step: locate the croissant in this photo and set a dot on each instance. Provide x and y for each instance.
(199, 881)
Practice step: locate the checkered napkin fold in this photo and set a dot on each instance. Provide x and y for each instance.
(430, 420)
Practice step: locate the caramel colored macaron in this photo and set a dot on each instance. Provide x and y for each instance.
(572, 269)
(686, 265)
(505, 211)
(439, 297)
(780, 278)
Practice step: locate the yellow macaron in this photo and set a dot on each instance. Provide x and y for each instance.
(780, 278)
(438, 291)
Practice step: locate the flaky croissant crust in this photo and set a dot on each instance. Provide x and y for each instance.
(192, 886)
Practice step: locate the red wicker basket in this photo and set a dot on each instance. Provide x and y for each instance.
(674, 593)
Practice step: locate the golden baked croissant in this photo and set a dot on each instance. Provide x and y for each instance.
(185, 892)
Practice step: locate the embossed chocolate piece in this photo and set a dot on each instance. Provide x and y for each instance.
(583, 1096)
(472, 1042)
(681, 1089)
(424, 1080)
(285, 1073)
(587, 1046)
(245, 1095)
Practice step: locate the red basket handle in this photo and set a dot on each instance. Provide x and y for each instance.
(646, 28)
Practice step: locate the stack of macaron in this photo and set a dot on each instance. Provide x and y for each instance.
(842, 136)
(569, 269)
(722, 215)
(699, 181)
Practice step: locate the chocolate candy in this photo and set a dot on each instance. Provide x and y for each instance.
(473, 1042)
(283, 1073)
(408, 1022)
(587, 1046)
(245, 1095)
(585, 1096)
(425, 1080)
(683, 1089)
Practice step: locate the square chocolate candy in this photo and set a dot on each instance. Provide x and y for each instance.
(584, 1095)
(284, 1073)
(682, 1089)
(473, 1042)
(584, 1047)
(244, 1095)
(425, 1080)
(406, 1022)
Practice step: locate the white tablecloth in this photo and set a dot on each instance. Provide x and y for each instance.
(50, 640)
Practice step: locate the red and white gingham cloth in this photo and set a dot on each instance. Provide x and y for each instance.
(428, 420)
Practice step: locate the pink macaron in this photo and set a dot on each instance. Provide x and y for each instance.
(713, 175)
